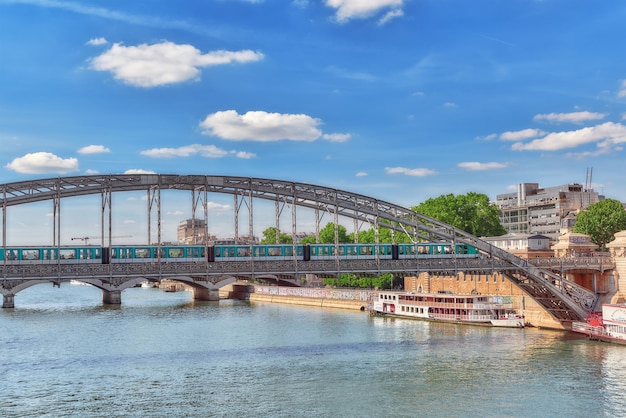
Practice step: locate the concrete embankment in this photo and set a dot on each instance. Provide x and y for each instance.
(324, 298)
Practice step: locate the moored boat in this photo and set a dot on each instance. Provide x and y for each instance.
(609, 325)
(448, 307)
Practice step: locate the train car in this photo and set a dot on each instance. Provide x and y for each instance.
(255, 252)
(153, 253)
(51, 255)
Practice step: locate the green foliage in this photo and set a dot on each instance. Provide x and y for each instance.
(269, 237)
(308, 240)
(471, 213)
(384, 236)
(327, 234)
(384, 281)
(601, 221)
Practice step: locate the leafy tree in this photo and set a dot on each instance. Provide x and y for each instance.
(471, 213)
(384, 236)
(601, 221)
(327, 234)
(269, 237)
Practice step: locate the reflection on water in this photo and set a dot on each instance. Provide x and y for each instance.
(162, 354)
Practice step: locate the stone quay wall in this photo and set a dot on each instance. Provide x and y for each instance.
(318, 297)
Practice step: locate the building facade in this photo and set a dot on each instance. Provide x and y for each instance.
(549, 211)
(192, 232)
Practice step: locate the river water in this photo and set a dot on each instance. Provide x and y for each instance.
(64, 354)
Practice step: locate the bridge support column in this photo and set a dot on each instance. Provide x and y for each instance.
(205, 294)
(112, 297)
(8, 301)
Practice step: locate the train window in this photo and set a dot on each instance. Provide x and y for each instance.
(11, 255)
(288, 251)
(273, 251)
(243, 252)
(175, 253)
(68, 254)
(142, 253)
(30, 254)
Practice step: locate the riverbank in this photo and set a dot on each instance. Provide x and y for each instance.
(323, 298)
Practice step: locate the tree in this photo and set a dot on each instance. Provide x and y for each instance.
(601, 221)
(327, 234)
(269, 237)
(471, 213)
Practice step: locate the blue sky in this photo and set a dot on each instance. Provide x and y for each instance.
(401, 100)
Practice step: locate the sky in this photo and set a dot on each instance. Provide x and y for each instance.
(400, 100)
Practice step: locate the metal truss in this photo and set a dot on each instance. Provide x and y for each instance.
(363, 210)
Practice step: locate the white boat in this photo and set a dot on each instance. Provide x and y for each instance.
(448, 307)
(608, 325)
(147, 284)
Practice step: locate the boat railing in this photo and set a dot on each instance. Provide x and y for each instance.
(486, 305)
(461, 317)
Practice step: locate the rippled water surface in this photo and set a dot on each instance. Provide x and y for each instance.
(161, 354)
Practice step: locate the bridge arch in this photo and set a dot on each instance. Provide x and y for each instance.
(563, 299)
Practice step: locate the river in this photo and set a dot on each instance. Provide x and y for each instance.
(64, 354)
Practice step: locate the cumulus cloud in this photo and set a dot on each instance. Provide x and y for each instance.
(97, 41)
(416, 172)
(94, 149)
(42, 163)
(361, 174)
(337, 137)
(358, 9)
(139, 171)
(261, 126)
(164, 63)
(207, 151)
(575, 117)
(521, 135)
(477, 166)
(606, 135)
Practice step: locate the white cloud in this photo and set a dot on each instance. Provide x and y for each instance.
(164, 63)
(97, 41)
(417, 172)
(209, 151)
(575, 117)
(91, 172)
(521, 135)
(43, 162)
(392, 14)
(94, 149)
(261, 126)
(622, 90)
(212, 206)
(361, 174)
(139, 171)
(245, 155)
(477, 166)
(337, 137)
(450, 105)
(355, 9)
(606, 135)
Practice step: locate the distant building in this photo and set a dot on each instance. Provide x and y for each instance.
(523, 245)
(193, 232)
(549, 211)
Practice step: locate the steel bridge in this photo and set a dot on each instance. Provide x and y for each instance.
(563, 299)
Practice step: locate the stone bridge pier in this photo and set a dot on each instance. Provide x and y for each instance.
(8, 300)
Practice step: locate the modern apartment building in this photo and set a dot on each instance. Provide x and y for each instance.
(548, 211)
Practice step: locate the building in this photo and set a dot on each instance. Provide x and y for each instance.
(523, 245)
(549, 211)
(192, 231)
